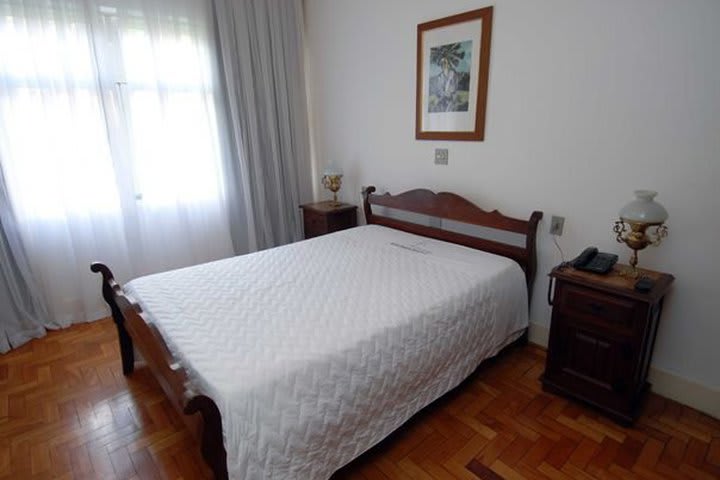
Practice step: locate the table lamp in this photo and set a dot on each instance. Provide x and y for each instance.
(639, 215)
(332, 180)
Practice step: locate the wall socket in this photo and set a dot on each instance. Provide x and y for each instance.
(441, 156)
(556, 225)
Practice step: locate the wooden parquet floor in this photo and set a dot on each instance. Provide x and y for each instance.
(66, 411)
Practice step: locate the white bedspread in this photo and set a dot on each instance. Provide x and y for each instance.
(316, 351)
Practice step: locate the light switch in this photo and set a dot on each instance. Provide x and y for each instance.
(441, 156)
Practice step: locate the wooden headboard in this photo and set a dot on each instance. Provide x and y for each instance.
(454, 207)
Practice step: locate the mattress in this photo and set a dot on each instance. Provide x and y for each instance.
(316, 351)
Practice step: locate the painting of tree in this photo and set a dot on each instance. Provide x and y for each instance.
(449, 81)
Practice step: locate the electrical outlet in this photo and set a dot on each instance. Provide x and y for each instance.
(441, 156)
(556, 225)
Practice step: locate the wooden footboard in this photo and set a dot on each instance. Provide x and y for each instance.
(134, 332)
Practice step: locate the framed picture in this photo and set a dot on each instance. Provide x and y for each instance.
(453, 59)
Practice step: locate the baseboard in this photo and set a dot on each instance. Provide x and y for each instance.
(538, 335)
(685, 391)
(675, 387)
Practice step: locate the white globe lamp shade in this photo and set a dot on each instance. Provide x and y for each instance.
(644, 209)
(332, 170)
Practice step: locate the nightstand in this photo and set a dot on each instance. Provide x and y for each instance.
(602, 337)
(326, 217)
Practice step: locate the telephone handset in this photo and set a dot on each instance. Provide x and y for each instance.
(593, 261)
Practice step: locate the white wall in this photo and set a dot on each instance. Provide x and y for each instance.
(587, 101)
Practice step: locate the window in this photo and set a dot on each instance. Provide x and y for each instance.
(104, 103)
(109, 141)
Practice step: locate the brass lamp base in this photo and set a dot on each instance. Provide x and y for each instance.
(334, 202)
(629, 272)
(333, 183)
(637, 239)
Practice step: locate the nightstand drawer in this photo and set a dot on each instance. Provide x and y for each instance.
(591, 306)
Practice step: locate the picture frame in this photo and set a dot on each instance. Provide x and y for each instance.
(453, 63)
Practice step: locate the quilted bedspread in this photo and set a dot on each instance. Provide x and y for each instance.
(317, 350)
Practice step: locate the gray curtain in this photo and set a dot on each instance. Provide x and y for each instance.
(22, 311)
(261, 59)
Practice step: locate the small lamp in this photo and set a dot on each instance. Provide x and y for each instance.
(640, 214)
(332, 180)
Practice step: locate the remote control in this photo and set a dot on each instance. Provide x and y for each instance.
(644, 284)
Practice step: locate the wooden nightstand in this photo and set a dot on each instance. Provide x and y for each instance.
(602, 337)
(325, 217)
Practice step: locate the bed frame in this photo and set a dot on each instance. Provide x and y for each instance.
(199, 412)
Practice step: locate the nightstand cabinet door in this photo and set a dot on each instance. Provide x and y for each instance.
(601, 340)
(596, 363)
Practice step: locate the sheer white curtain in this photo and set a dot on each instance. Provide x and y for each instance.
(109, 141)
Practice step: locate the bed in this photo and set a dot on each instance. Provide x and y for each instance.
(291, 362)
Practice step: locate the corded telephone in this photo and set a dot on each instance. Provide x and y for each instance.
(593, 261)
